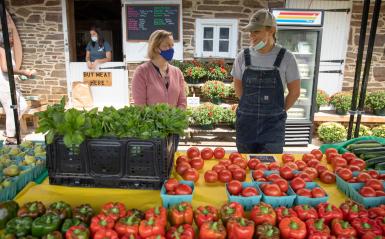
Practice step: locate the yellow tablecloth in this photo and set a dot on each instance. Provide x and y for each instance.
(142, 199)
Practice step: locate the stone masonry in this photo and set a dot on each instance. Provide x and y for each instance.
(377, 71)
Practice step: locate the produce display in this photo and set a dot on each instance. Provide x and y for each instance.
(371, 151)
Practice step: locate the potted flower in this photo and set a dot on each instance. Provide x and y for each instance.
(229, 116)
(215, 90)
(206, 115)
(376, 101)
(379, 131)
(215, 72)
(195, 74)
(341, 102)
(331, 132)
(322, 98)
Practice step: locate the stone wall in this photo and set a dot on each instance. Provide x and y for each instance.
(377, 71)
(39, 23)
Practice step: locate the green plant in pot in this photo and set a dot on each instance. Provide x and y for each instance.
(379, 131)
(376, 101)
(215, 90)
(206, 115)
(331, 132)
(364, 130)
(341, 102)
(322, 98)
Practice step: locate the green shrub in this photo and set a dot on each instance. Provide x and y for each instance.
(364, 130)
(332, 132)
(379, 131)
(376, 100)
(341, 101)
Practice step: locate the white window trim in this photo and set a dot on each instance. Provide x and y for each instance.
(216, 23)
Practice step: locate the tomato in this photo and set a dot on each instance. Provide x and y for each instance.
(252, 163)
(191, 174)
(225, 162)
(312, 172)
(354, 168)
(304, 176)
(318, 192)
(380, 194)
(182, 167)
(183, 189)
(260, 179)
(207, 153)
(182, 158)
(257, 174)
(239, 174)
(313, 163)
(317, 153)
(261, 166)
(304, 192)
(375, 184)
(219, 153)
(339, 162)
(330, 150)
(273, 177)
(241, 163)
(218, 167)
(300, 164)
(320, 168)
(353, 180)
(286, 173)
(287, 158)
(197, 163)
(306, 157)
(332, 156)
(211, 176)
(282, 183)
(170, 184)
(345, 174)
(373, 173)
(272, 190)
(297, 183)
(234, 187)
(225, 176)
(363, 177)
(291, 165)
(358, 162)
(233, 167)
(249, 192)
(273, 166)
(367, 192)
(348, 156)
(193, 152)
(328, 177)
(234, 155)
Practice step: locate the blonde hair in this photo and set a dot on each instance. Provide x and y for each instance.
(155, 40)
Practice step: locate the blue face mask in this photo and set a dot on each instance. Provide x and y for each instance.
(168, 54)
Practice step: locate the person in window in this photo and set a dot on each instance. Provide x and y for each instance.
(157, 81)
(98, 50)
(261, 73)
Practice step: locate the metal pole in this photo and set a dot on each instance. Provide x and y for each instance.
(11, 79)
(357, 76)
(372, 37)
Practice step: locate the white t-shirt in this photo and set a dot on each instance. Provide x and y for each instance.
(288, 69)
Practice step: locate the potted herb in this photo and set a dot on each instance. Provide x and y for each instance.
(341, 102)
(376, 101)
(206, 115)
(215, 90)
(379, 131)
(331, 132)
(322, 98)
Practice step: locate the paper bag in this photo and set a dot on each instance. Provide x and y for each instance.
(81, 95)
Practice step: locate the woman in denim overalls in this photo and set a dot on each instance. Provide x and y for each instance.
(261, 74)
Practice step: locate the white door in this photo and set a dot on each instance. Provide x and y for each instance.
(334, 40)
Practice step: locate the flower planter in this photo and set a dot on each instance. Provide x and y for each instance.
(207, 126)
(380, 112)
(216, 100)
(341, 112)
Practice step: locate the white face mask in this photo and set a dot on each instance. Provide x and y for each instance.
(259, 46)
(94, 39)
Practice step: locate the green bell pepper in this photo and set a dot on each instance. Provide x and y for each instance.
(45, 224)
(69, 222)
(62, 209)
(19, 226)
(8, 210)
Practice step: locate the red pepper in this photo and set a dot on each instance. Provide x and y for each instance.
(101, 222)
(212, 230)
(375, 212)
(204, 214)
(150, 227)
(240, 228)
(115, 210)
(263, 213)
(283, 212)
(181, 213)
(106, 234)
(363, 225)
(381, 223)
(306, 212)
(231, 209)
(127, 225)
(77, 232)
(156, 237)
(342, 228)
(185, 231)
(371, 235)
(351, 210)
(292, 228)
(317, 229)
(157, 212)
(329, 212)
(131, 236)
(138, 213)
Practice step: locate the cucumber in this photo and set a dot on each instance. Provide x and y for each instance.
(368, 150)
(359, 146)
(367, 156)
(370, 163)
(380, 166)
(368, 141)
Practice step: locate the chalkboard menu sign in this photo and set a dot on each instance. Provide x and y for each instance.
(142, 20)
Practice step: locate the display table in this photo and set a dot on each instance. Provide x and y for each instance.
(143, 199)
